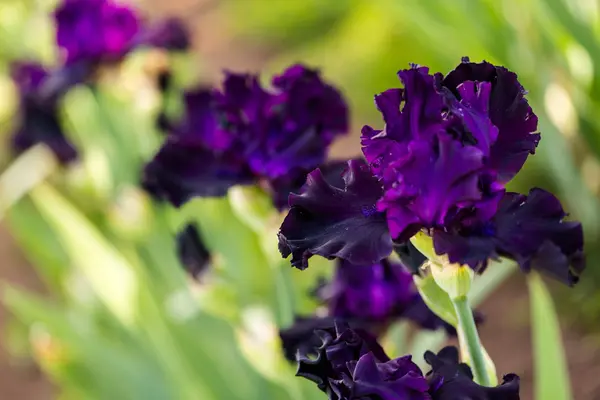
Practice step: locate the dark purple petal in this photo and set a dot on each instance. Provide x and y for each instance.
(451, 380)
(38, 118)
(298, 124)
(184, 168)
(201, 122)
(529, 229)
(95, 30)
(431, 183)
(340, 347)
(192, 252)
(398, 379)
(376, 292)
(333, 222)
(281, 188)
(509, 112)
(301, 337)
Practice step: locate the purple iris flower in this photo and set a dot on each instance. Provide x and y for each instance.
(170, 34)
(244, 134)
(374, 296)
(348, 364)
(91, 31)
(38, 118)
(439, 165)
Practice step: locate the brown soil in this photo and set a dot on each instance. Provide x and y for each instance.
(505, 333)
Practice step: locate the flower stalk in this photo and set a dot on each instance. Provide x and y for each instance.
(469, 340)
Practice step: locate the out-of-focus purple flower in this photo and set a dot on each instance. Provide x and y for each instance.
(451, 380)
(336, 222)
(38, 118)
(197, 158)
(349, 364)
(192, 251)
(374, 296)
(371, 292)
(169, 34)
(91, 31)
(245, 134)
(529, 229)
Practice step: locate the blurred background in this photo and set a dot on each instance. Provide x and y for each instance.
(553, 45)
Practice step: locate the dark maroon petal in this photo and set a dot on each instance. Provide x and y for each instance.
(529, 229)
(192, 252)
(95, 30)
(509, 112)
(451, 380)
(336, 222)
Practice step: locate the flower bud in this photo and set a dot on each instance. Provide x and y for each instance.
(454, 279)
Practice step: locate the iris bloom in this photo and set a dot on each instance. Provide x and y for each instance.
(244, 134)
(440, 165)
(349, 365)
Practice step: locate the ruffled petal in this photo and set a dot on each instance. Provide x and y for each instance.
(431, 183)
(450, 380)
(529, 229)
(509, 112)
(333, 222)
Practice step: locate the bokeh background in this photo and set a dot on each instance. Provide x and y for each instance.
(553, 45)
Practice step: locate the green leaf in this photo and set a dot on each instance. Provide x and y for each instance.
(551, 373)
(108, 272)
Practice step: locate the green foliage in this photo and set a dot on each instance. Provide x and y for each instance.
(551, 373)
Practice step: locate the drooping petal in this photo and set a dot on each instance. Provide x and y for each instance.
(281, 188)
(451, 380)
(336, 222)
(509, 112)
(300, 338)
(529, 229)
(398, 379)
(184, 168)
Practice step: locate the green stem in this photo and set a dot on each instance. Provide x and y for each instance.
(468, 330)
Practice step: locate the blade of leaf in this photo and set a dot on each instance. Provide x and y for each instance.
(551, 374)
(107, 270)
